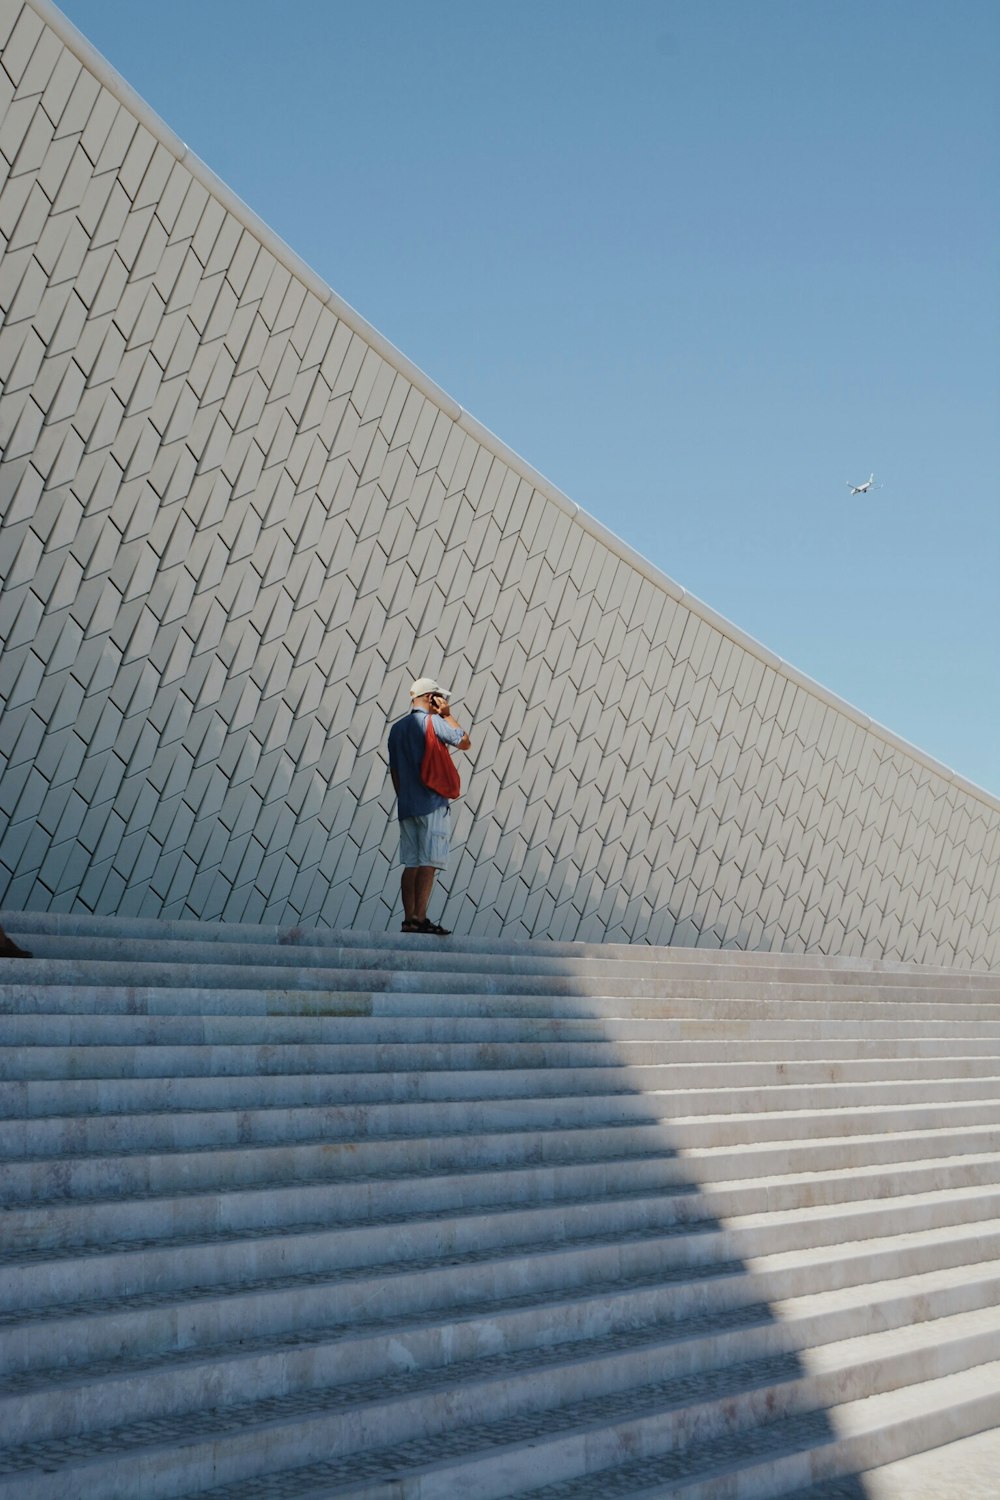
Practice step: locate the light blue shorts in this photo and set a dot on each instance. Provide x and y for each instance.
(424, 841)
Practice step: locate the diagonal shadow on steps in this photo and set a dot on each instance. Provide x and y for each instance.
(803, 1427)
(811, 1427)
(725, 1362)
(780, 1420)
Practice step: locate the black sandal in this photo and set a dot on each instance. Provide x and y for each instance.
(432, 929)
(411, 925)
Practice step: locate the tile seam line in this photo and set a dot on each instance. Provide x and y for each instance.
(86, 53)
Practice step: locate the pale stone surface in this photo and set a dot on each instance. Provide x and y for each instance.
(966, 1470)
(235, 523)
(513, 1232)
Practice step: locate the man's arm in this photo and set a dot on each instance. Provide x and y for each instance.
(443, 711)
(464, 743)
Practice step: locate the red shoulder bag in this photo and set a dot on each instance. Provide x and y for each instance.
(437, 770)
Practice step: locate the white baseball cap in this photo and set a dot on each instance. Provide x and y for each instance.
(425, 685)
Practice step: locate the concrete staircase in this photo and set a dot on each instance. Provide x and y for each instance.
(312, 1214)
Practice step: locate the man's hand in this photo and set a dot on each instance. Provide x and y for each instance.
(442, 708)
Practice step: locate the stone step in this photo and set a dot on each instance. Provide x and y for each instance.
(463, 1116)
(67, 924)
(437, 984)
(572, 1123)
(591, 1399)
(386, 1179)
(358, 1203)
(259, 1094)
(346, 1005)
(849, 1445)
(49, 1403)
(343, 1152)
(21, 1005)
(361, 1105)
(424, 968)
(702, 1226)
(103, 1059)
(835, 1442)
(964, 1469)
(471, 1008)
(558, 1051)
(834, 1245)
(183, 1126)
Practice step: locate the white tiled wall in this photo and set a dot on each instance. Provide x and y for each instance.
(234, 526)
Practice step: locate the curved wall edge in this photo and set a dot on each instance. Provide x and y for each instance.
(112, 80)
(235, 521)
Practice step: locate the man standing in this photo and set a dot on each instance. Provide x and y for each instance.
(424, 815)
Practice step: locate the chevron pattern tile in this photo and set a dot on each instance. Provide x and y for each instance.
(234, 524)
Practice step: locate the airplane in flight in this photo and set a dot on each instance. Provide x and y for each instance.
(862, 489)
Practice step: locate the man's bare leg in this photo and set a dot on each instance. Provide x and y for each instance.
(416, 885)
(423, 885)
(409, 888)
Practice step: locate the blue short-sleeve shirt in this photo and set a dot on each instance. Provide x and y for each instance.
(407, 740)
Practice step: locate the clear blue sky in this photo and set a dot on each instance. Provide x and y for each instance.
(699, 261)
